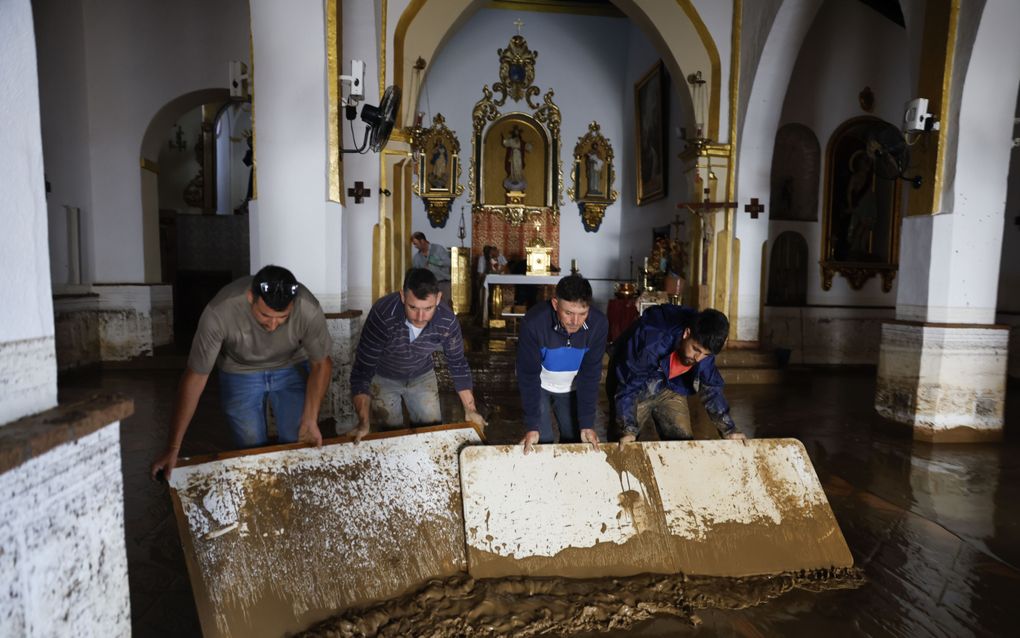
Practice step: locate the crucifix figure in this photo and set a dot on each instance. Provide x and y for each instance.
(754, 208)
(518, 23)
(359, 192)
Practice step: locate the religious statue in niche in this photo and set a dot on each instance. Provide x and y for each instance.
(517, 148)
(515, 173)
(437, 156)
(593, 176)
(861, 222)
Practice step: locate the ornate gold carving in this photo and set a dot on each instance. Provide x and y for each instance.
(485, 111)
(591, 216)
(593, 175)
(437, 154)
(516, 72)
(549, 113)
(516, 202)
(857, 274)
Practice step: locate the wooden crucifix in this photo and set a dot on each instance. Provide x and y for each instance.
(359, 192)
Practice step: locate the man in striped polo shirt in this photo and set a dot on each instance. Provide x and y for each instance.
(559, 365)
(393, 363)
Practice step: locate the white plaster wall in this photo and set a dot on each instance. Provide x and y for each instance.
(127, 60)
(848, 46)
(26, 333)
(985, 143)
(360, 39)
(757, 139)
(297, 227)
(64, 563)
(1009, 269)
(64, 111)
(637, 221)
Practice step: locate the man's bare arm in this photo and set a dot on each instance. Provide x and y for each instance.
(188, 392)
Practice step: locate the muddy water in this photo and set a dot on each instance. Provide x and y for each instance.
(461, 606)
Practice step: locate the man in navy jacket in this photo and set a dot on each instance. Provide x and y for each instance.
(665, 357)
(559, 365)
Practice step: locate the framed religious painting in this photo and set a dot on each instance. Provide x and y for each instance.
(593, 176)
(438, 155)
(861, 217)
(651, 106)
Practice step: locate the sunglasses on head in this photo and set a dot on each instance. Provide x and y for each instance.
(278, 287)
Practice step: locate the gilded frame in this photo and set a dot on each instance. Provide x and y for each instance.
(593, 176)
(437, 154)
(651, 121)
(861, 211)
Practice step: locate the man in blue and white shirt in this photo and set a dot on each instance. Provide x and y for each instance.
(559, 365)
(393, 363)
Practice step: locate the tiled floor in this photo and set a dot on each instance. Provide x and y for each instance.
(935, 529)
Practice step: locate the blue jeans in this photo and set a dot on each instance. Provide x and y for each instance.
(564, 406)
(244, 396)
(420, 395)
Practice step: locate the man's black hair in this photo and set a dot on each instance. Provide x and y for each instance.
(420, 282)
(710, 329)
(419, 235)
(275, 285)
(574, 288)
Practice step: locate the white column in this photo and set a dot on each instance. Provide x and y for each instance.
(942, 365)
(292, 222)
(27, 355)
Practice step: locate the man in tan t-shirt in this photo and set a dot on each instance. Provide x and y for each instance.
(267, 335)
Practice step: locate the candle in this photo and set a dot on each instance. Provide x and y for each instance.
(646, 264)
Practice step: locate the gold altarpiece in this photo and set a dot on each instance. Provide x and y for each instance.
(515, 176)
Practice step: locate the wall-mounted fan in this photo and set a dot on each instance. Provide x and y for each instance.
(378, 120)
(892, 155)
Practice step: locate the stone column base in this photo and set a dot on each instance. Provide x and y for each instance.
(946, 381)
(111, 322)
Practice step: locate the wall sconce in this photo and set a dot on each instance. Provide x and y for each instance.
(699, 97)
(177, 142)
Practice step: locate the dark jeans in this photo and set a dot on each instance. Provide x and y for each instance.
(564, 406)
(243, 396)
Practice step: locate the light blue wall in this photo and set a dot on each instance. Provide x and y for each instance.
(591, 63)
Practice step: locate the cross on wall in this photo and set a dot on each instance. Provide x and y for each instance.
(359, 192)
(754, 208)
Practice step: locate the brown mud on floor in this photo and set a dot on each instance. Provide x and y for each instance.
(461, 607)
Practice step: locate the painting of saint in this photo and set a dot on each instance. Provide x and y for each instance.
(593, 163)
(439, 171)
(650, 108)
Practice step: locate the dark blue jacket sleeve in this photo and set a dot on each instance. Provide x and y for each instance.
(590, 373)
(529, 370)
(711, 394)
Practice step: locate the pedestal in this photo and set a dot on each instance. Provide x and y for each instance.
(946, 381)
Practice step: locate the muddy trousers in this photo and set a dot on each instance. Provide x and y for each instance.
(669, 413)
(420, 395)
